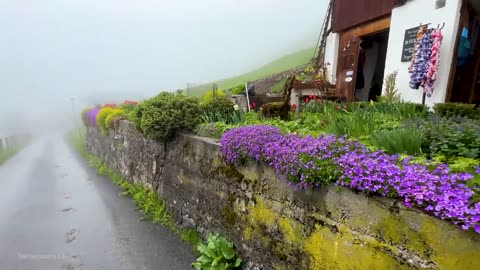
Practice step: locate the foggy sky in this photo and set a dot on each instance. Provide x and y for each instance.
(53, 50)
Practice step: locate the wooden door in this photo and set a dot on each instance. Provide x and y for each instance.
(347, 65)
(348, 55)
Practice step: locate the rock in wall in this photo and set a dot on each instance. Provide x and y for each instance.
(275, 226)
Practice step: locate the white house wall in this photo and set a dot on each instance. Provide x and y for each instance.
(331, 56)
(411, 15)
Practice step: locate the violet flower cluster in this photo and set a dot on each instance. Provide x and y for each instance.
(91, 117)
(308, 162)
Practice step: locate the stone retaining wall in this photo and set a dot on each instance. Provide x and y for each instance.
(275, 226)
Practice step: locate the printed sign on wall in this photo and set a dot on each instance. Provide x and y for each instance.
(409, 43)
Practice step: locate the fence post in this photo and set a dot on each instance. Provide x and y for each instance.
(1, 144)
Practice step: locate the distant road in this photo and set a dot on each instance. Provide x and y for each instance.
(56, 213)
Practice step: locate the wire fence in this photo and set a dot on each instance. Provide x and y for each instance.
(199, 90)
(13, 141)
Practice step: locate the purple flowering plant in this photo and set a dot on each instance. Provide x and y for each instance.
(91, 117)
(309, 162)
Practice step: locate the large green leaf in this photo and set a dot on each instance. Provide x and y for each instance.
(227, 250)
(237, 262)
(205, 250)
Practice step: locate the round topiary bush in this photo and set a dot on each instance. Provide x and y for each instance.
(219, 109)
(114, 115)
(159, 117)
(209, 95)
(101, 116)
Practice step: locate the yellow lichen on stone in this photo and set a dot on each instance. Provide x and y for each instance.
(249, 174)
(328, 250)
(261, 215)
(247, 233)
(291, 230)
(452, 248)
(217, 162)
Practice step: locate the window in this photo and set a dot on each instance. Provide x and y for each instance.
(440, 4)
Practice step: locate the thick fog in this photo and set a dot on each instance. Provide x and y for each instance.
(53, 52)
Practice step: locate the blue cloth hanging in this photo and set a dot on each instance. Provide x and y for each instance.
(463, 48)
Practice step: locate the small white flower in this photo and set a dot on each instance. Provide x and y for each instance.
(236, 107)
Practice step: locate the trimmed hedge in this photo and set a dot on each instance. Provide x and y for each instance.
(161, 116)
(457, 109)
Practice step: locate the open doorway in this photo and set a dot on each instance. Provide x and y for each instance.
(465, 85)
(371, 66)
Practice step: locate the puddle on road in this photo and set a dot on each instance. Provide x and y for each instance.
(68, 210)
(71, 235)
(68, 266)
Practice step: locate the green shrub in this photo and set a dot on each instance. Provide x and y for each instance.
(209, 95)
(217, 253)
(457, 109)
(219, 109)
(84, 119)
(450, 137)
(398, 141)
(101, 116)
(238, 90)
(115, 114)
(161, 116)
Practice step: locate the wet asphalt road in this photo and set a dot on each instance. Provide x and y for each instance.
(56, 213)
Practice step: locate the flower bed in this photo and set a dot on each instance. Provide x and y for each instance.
(309, 162)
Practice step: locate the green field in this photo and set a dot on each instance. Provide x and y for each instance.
(282, 64)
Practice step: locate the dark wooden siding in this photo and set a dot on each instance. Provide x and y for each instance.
(348, 13)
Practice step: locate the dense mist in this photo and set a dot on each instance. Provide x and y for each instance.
(58, 56)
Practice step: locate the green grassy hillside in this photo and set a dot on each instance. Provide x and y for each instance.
(282, 64)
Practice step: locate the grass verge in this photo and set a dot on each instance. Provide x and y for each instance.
(6, 154)
(147, 202)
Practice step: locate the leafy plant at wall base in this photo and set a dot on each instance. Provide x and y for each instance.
(217, 253)
(191, 236)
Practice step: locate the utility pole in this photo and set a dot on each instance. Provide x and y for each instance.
(74, 116)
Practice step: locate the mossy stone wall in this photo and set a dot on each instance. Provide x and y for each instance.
(276, 227)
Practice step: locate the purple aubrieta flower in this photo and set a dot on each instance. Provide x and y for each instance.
(91, 116)
(307, 162)
(477, 169)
